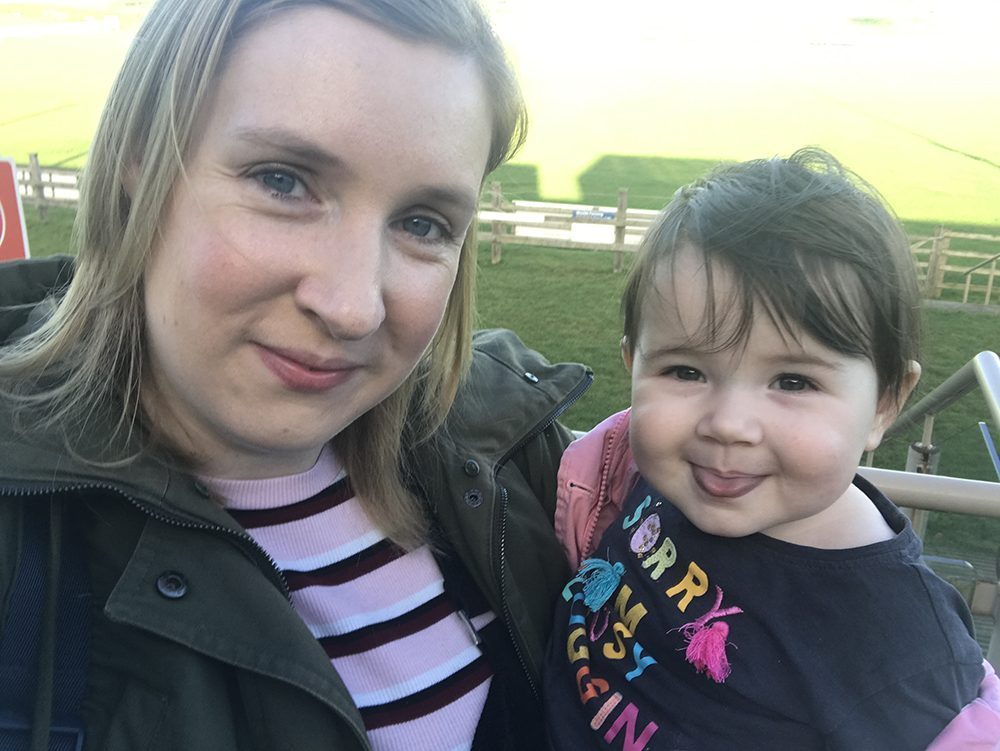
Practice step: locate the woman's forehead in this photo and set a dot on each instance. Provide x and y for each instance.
(351, 92)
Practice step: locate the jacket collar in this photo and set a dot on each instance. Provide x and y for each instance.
(484, 425)
(37, 461)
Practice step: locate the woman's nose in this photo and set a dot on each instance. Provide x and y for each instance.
(730, 416)
(344, 285)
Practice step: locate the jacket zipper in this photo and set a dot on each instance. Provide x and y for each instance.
(244, 538)
(540, 427)
(570, 399)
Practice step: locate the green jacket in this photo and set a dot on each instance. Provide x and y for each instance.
(228, 664)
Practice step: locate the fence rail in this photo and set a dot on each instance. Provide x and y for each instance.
(950, 270)
(47, 186)
(923, 492)
(956, 271)
(989, 284)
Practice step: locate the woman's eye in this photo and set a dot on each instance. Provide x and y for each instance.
(281, 184)
(424, 228)
(792, 382)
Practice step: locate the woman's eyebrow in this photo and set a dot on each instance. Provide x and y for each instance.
(308, 154)
(457, 198)
(304, 151)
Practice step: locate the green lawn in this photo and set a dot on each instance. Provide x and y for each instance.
(633, 100)
(907, 99)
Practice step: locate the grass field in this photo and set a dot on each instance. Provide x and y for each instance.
(904, 93)
(647, 96)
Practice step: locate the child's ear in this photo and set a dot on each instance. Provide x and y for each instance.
(626, 354)
(888, 408)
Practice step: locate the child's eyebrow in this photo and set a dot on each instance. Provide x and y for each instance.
(796, 359)
(778, 359)
(669, 350)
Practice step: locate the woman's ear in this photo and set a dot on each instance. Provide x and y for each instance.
(626, 354)
(130, 180)
(890, 405)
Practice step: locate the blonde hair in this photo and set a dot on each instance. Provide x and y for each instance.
(83, 366)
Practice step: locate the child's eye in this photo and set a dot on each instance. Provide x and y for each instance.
(793, 382)
(684, 373)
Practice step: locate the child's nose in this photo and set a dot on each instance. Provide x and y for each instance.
(731, 417)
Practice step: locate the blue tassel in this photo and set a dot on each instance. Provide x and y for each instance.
(600, 580)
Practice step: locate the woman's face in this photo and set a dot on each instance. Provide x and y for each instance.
(306, 258)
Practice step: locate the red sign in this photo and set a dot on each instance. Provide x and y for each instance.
(13, 233)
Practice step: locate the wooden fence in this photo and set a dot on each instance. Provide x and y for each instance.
(952, 265)
(47, 186)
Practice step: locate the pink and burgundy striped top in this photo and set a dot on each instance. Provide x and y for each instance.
(408, 656)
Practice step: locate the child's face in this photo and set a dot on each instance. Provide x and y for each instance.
(764, 438)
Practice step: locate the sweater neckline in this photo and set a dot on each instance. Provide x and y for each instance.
(271, 492)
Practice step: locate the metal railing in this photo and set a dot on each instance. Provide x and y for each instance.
(936, 492)
(928, 492)
(982, 370)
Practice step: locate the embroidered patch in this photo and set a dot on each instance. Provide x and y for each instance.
(646, 536)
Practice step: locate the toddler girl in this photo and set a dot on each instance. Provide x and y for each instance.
(741, 587)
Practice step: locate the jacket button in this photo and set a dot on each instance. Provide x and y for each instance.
(530, 377)
(474, 498)
(471, 468)
(171, 585)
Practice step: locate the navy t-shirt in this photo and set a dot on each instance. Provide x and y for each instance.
(677, 639)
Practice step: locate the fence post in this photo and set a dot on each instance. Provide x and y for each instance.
(942, 262)
(620, 216)
(37, 189)
(496, 203)
(989, 282)
(932, 263)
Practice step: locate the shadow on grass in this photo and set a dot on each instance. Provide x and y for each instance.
(651, 180)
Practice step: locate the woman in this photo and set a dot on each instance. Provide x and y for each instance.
(239, 401)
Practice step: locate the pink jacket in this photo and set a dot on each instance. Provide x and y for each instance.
(595, 477)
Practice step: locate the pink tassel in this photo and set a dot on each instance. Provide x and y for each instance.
(706, 648)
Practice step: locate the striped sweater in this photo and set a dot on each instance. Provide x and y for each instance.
(408, 656)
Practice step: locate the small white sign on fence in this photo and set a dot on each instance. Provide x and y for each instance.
(592, 214)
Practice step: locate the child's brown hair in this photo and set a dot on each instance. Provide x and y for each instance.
(806, 240)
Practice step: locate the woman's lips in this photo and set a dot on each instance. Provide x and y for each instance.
(301, 371)
(724, 484)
